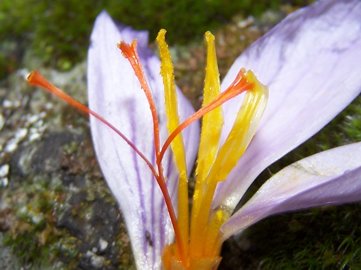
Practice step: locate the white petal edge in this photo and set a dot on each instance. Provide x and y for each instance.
(310, 62)
(114, 93)
(327, 178)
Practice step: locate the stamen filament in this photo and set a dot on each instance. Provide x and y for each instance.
(213, 240)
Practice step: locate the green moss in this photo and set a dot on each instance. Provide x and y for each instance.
(58, 31)
(71, 148)
(323, 238)
(24, 245)
(186, 19)
(32, 236)
(352, 122)
(318, 242)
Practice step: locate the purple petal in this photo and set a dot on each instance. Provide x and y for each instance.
(327, 178)
(115, 93)
(311, 64)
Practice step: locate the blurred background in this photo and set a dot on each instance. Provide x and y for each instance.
(57, 32)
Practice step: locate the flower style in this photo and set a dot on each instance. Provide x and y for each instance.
(309, 63)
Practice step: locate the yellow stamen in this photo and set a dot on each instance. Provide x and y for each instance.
(243, 130)
(204, 222)
(214, 243)
(171, 106)
(214, 162)
(210, 135)
(213, 121)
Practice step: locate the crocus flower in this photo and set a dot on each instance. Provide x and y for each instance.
(310, 64)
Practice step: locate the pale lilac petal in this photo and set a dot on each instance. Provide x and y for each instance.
(327, 178)
(115, 93)
(311, 64)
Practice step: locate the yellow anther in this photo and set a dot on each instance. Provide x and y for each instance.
(215, 162)
(205, 224)
(177, 146)
(213, 121)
